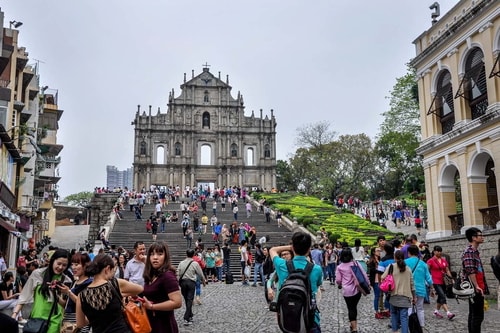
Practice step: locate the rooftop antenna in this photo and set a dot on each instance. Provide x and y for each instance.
(436, 13)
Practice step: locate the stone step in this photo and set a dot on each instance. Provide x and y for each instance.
(129, 230)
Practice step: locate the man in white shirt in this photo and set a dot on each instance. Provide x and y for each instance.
(135, 266)
(158, 209)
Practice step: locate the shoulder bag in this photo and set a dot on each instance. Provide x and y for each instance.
(387, 284)
(134, 313)
(185, 270)
(40, 325)
(360, 282)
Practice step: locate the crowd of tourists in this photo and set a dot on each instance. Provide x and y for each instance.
(77, 288)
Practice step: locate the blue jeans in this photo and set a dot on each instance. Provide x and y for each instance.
(399, 318)
(331, 272)
(219, 273)
(376, 296)
(198, 287)
(258, 270)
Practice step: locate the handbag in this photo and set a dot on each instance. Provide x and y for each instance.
(134, 313)
(359, 279)
(40, 325)
(246, 271)
(413, 322)
(463, 288)
(387, 284)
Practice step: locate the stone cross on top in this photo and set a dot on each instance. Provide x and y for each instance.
(205, 66)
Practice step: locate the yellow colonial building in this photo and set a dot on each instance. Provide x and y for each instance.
(458, 69)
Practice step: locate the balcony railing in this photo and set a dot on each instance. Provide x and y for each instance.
(457, 222)
(491, 216)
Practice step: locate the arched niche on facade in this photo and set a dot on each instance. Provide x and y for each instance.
(178, 149)
(267, 151)
(234, 150)
(205, 120)
(143, 148)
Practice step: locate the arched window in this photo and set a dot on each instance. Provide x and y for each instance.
(250, 157)
(267, 151)
(445, 109)
(473, 85)
(178, 149)
(206, 97)
(206, 155)
(234, 150)
(160, 155)
(143, 148)
(206, 120)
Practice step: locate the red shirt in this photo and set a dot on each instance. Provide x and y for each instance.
(437, 269)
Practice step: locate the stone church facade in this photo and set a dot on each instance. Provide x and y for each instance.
(204, 138)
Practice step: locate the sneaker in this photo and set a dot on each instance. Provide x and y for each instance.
(379, 315)
(254, 285)
(187, 322)
(22, 321)
(451, 316)
(386, 313)
(438, 315)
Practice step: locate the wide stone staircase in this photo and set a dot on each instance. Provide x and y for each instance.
(127, 231)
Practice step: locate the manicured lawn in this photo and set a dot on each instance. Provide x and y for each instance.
(315, 213)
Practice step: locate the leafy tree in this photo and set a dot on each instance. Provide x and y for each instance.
(79, 199)
(399, 137)
(284, 176)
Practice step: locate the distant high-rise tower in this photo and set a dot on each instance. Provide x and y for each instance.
(116, 178)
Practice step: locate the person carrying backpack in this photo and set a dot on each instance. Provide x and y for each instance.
(298, 283)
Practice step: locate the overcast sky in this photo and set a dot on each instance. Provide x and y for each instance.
(310, 61)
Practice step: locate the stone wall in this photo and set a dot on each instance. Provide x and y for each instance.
(101, 207)
(455, 245)
(70, 212)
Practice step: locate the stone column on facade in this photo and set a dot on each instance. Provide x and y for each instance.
(171, 177)
(240, 178)
(228, 177)
(183, 179)
(136, 178)
(262, 180)
(448, 204)
(148, 178)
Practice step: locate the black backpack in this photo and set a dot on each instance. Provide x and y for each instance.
(495, 265)
(296, 306)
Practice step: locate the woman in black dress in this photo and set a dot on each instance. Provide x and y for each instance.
(161, 289)
(100, 304)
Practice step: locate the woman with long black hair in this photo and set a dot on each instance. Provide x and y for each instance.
(43, 289)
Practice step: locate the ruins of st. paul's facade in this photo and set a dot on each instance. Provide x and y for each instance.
(204, 138)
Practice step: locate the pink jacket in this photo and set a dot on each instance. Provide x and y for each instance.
(345, 277)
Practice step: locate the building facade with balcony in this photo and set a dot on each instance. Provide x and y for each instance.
(18, 102)
(28, 149)
(458, 66)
